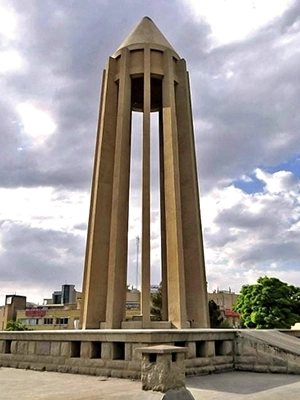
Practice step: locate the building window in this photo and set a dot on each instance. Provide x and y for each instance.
(32, 321)
(62, 321)
(48, 321)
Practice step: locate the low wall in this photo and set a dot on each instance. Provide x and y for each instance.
(117, 352)
(267, 351)
(114, 352)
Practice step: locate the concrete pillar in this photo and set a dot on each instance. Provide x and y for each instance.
(146, 189)
(117, 269)
(175, 260)
(195, 278)
(97, 248)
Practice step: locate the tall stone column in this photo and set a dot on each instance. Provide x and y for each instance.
(95, 279)
(195, 278)
(174, 239)
(117, 265)
(146, 189)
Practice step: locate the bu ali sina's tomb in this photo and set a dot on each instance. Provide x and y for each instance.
(146, 75)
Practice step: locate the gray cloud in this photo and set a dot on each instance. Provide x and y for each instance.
(245, 105)
(251, 116)
(35, 256)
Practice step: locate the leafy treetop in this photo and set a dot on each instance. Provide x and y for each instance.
(15, 326)
(269, 304)
(156, 304)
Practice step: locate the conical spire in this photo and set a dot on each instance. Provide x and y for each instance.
(145, 32)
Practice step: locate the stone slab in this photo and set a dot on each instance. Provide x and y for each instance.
(275, 339)
(163, 349)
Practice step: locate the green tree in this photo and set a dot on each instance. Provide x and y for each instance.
(214, 314)
(15, 326)
(269, 304)
(156, 304)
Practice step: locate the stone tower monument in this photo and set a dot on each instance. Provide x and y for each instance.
(145, 74)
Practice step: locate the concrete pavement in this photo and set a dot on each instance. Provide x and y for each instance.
(17, 384)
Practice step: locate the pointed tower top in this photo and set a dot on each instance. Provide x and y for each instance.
(145, 32)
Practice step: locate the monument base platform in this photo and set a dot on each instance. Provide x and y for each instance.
(116, 352)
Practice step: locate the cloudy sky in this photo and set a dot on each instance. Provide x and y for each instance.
(243, 57)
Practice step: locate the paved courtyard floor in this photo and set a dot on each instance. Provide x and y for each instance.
(17, 384)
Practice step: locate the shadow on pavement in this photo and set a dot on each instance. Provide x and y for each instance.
(240, 382)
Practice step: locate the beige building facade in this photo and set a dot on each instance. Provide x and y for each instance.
(223, 298)
(60, 312)
(50, 317)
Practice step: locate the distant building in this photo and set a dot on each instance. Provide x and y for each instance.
(232, 317)
(226, 299)
(50, 317)
(61, 311)
(67, 295)
(154, 288)
(133, 305)
(8, 312)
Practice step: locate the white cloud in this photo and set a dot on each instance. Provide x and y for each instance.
(36, 123)
(249, 235)
(8, 22)
(277, 182)
(235, 19)
(10, 61)
(44, 208)
(235, 280)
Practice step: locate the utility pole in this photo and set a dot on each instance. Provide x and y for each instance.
(137, 241)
